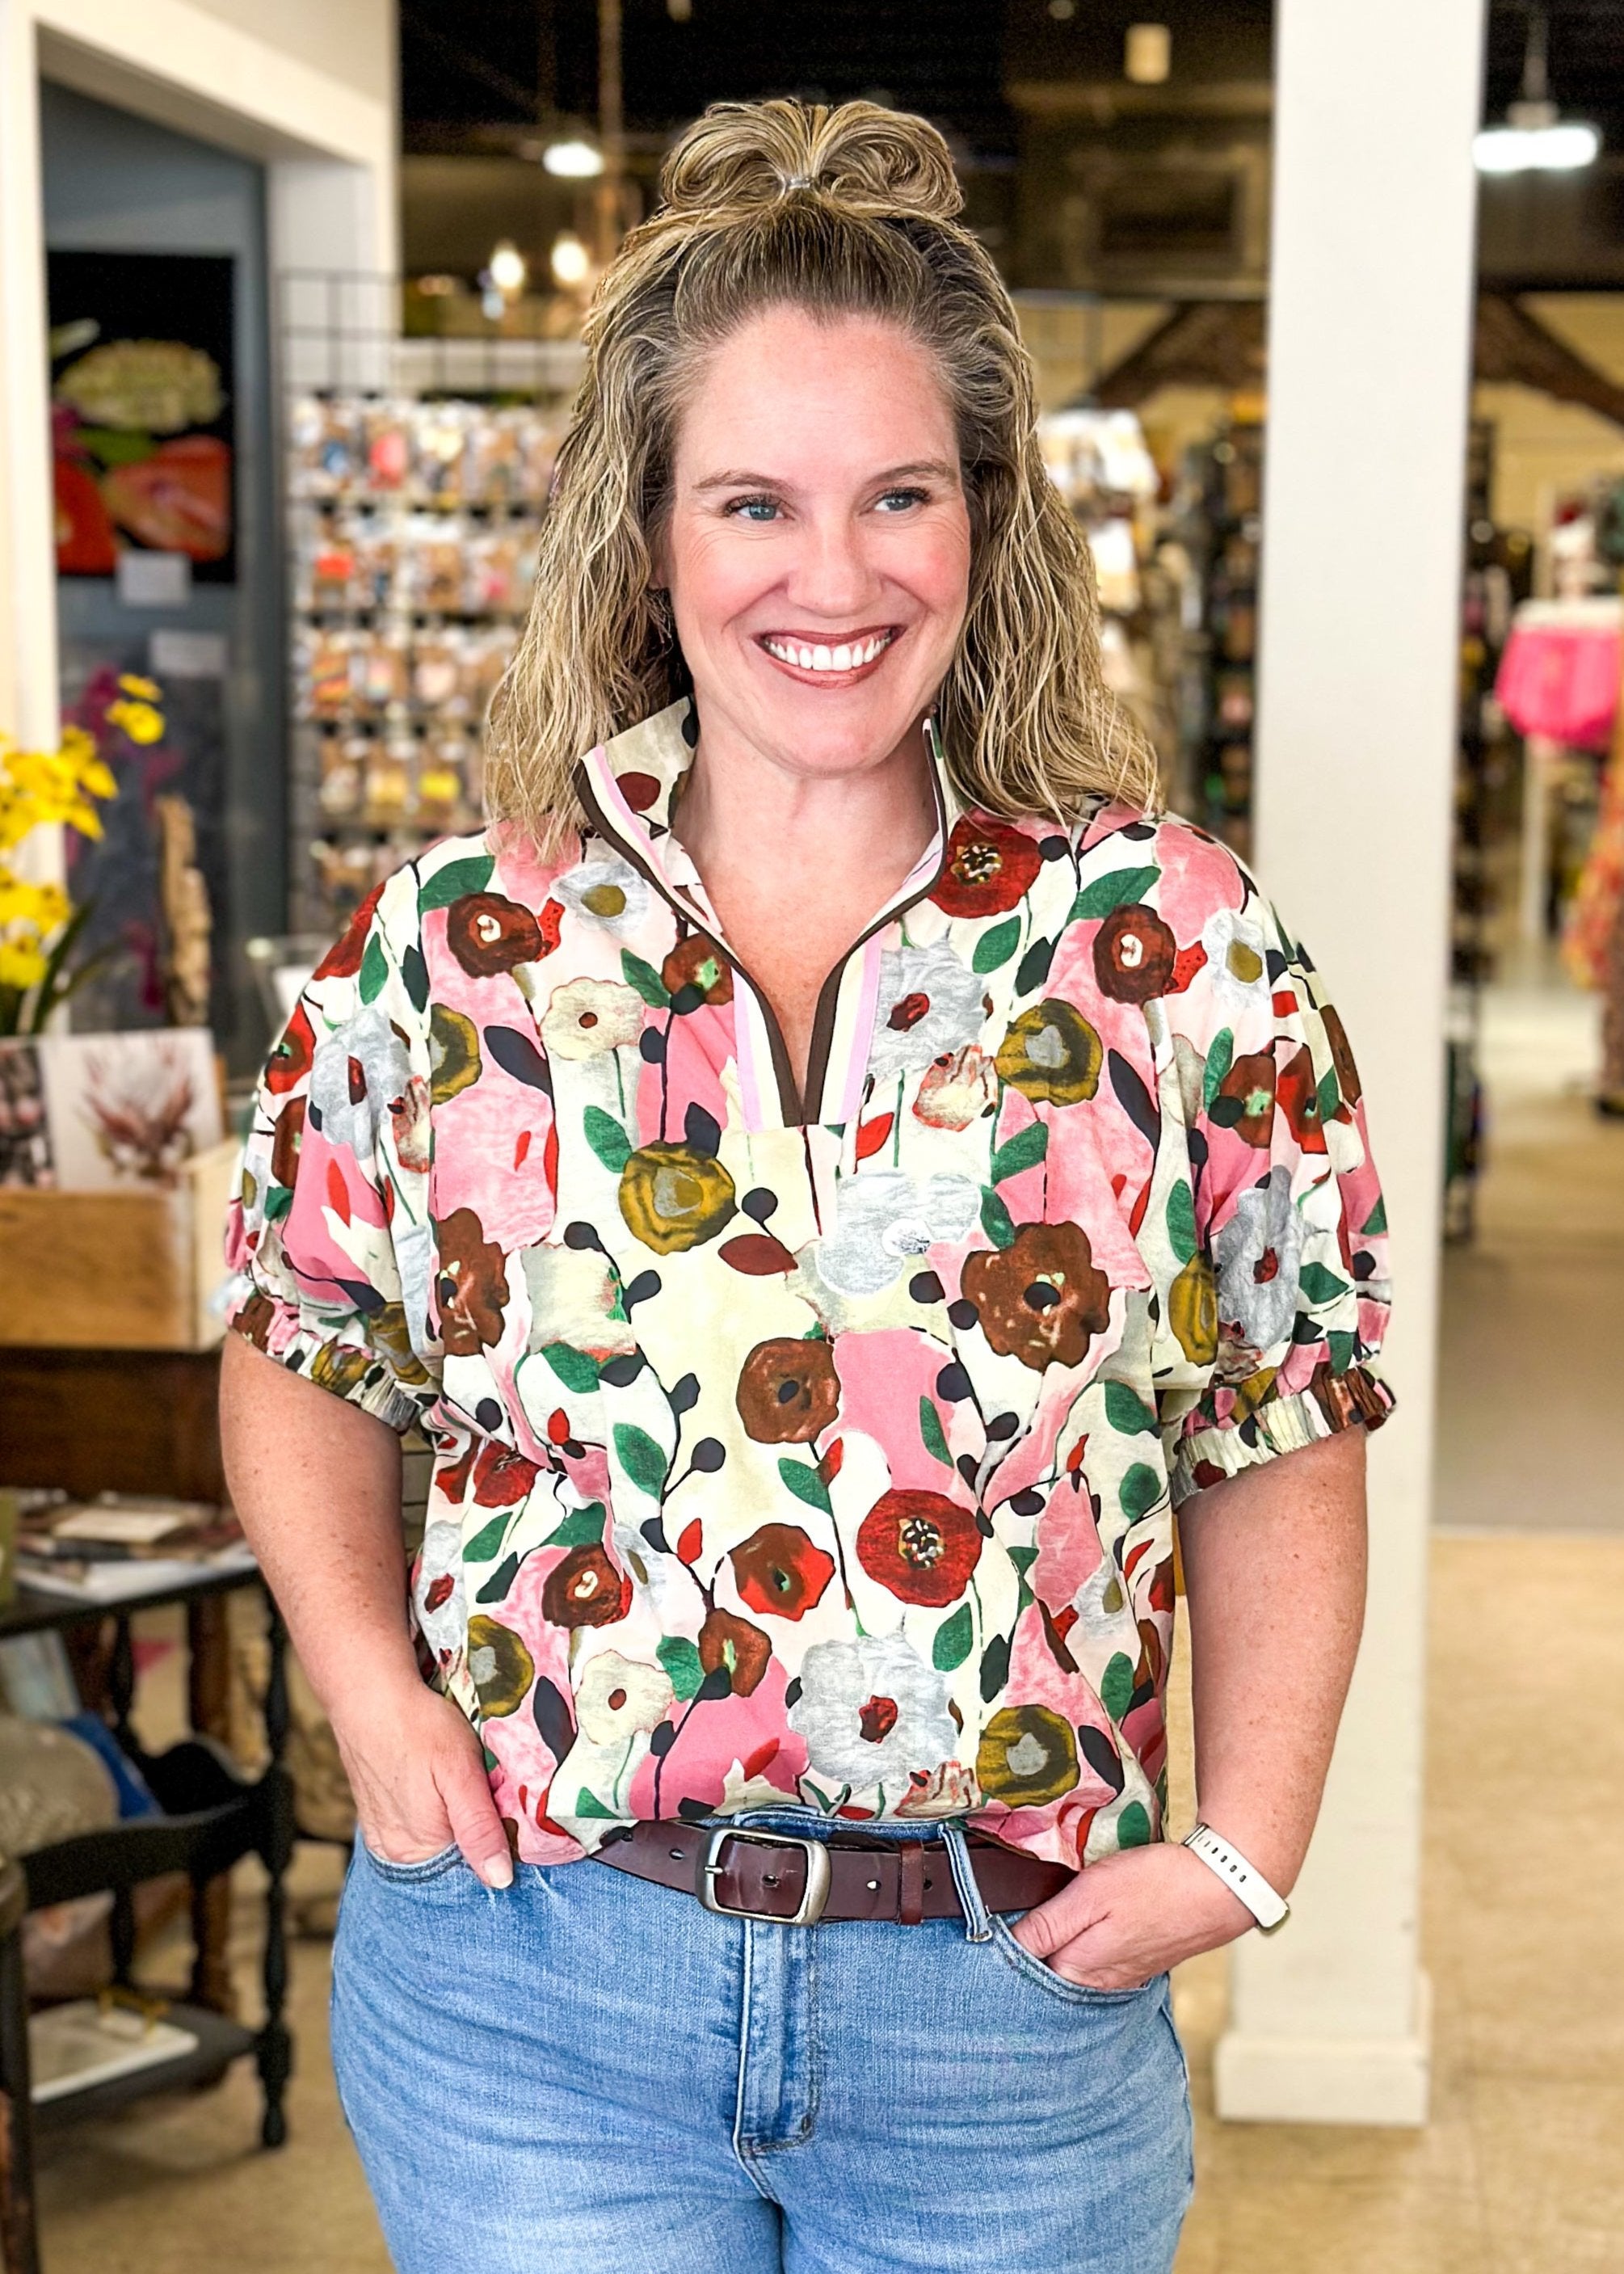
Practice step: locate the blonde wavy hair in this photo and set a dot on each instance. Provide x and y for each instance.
(847, 211)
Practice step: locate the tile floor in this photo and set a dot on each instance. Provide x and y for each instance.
(1522, 2169)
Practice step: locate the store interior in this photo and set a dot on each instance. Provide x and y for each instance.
(294, 505)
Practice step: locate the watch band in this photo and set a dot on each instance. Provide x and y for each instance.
(1271, 1910)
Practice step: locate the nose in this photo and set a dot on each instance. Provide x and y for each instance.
(832, 576)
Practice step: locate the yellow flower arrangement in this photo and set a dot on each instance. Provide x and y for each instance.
(38, 923)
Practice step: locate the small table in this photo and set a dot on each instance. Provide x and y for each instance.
(213, 1816)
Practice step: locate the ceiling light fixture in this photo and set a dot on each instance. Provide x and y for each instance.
(570, 261)
(574, 159)
(1535, 138)
(1147, 56)
(508, 270)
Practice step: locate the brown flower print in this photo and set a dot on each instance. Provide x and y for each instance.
(988, 868)
(779, 1569)
(471, 1284)
(501, 1666)
(586, 1590)
(285, 1150)
(1051, 1055)
(1039, 1300)
(1245, 1099)
(1028, 1756)
(1347, 1083)
(1133, 955)
(673, 1197)
(1298, 1094)
(727, 1640)
(788, 1390)
(488, 933)
(255, 1319)
(695, 972)
(920, 1545)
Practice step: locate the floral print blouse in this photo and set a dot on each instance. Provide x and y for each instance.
(818, 1445)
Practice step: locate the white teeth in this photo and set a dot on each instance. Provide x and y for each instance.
(851, 656)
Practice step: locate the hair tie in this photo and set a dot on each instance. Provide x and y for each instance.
(796, 182)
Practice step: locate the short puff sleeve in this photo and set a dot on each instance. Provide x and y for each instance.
(329, 1237)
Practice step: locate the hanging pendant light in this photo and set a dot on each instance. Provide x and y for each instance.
(1535, 138)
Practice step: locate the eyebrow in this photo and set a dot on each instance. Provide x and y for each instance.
(742, 479)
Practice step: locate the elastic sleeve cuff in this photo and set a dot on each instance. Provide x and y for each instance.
(349, 1370)
(1331, 1402)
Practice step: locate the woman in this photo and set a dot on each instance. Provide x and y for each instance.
(828, 1170)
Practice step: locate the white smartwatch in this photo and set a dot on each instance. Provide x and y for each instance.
(1271, 1910)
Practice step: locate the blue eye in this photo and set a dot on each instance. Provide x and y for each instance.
(754, 509)
(898, 500)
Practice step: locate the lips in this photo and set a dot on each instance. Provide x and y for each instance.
(828, 658)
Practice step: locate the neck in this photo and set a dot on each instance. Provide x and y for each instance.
(738, 809)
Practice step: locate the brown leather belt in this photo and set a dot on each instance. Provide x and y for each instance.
(795, 1882)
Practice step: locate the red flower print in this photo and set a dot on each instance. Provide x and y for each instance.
(1298, 1094)
(471, 1284)
(342, 960)
(920, 1545)
(988, 867)
(779, 1569)
(1134, 954)
(487, 934)
(586, 1590)
(502, 1477)
(292, 1059)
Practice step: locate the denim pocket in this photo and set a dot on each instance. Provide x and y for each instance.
(1044, 1977)
(432, 1867)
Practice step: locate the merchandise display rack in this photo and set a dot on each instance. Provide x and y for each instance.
(417, 477)
(1220, 527)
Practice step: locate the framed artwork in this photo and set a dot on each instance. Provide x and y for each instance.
(142, 415)
(129, 1109)
(25, 1137)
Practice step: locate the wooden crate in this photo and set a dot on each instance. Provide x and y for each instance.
(138, 1269)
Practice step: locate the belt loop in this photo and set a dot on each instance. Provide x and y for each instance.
(911, 1882)
(978, 1924)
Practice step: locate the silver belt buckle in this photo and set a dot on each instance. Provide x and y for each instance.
(813, 1901)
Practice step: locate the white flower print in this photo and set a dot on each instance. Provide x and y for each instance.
(1236, 958)
(587, 1017)
(883, 1220)
(616, 1698)
(1258, 1253)
(872, 1712)
(437, 1595)
(929, 1004)
(409, 1116)
(572, 1295)
(605, 890)
(954, 1091)
(357, 1074)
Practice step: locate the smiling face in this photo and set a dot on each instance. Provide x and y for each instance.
(817, 546)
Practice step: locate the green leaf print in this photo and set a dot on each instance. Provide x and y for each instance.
(499, 1581)
(1181, 1221)
(588, 1803)
(930, 1430)
(582, 1527)
(577, 1370)
(607, 1139)
(1116, 1685)
(1133, 1826)
(952, 1642)
(1126, 1412)
(1376, 1222)
(374, 970)
(1330, 1098)
(1341, 1346)
(681, 1661)
(1024, 1150)
(1320, 1285)
(1121, 889)
(806, 1485)
(415, 972)
(1140, 1491)
(995, 1221)
(1034, 967)
(998, 945)
(641, 1458)
(453, 880)
(645, 979)
(1220, 1051)
(487, 1540)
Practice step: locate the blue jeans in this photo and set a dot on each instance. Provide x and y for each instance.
(593, 2076)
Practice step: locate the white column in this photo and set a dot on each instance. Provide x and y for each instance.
(1369, 305)
(27, 560)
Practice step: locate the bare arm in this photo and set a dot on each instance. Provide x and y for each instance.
(1275, 1577)
(316, 1483)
